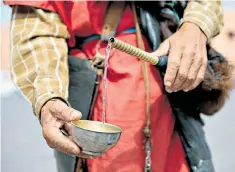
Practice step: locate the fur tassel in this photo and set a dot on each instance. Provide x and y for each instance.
(210, 96)
(217, 84)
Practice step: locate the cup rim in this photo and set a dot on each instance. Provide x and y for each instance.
(107, 124)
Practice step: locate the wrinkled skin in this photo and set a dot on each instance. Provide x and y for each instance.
(187, 58)
(56, 115)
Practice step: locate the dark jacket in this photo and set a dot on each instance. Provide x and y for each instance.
(207, 98)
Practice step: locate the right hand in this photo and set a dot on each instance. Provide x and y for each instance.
(56, 115)
(187, 58)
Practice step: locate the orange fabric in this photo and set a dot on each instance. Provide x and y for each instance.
(125, 98)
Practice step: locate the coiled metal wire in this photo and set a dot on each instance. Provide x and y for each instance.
(129, 49)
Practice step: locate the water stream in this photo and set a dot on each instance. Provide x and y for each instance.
(105, 83)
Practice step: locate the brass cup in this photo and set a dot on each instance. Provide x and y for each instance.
(94, 137)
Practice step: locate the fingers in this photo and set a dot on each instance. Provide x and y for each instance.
(183, 71)
(68, 128)
(56, 140)
(163, 49)
(85, 156)
(187, 72)
(60, 110)
(197, 71)
(53, 117)
(172, 66)
(186, 58)
(199, 78)
(81, 154)
(192, 75)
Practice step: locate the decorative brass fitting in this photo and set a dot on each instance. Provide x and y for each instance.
(129, 49)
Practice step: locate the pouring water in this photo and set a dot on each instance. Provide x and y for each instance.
(105, 83)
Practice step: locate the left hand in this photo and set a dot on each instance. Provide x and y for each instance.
(187, 58)
(56, 115)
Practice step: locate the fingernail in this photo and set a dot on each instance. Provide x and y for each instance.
(168, 83)
(76, 115)
(186, 90)
(169, 91)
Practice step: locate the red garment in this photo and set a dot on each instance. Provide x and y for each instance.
(125, 95)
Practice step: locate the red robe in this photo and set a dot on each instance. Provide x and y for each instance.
(125, 94)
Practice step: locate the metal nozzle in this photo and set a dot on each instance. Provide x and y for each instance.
(129, 49)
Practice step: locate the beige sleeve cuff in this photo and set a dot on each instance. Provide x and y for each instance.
(44, 92)
(44, 98)
(205, 14)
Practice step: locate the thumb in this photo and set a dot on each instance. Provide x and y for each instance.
(163, 49)
(60, 110)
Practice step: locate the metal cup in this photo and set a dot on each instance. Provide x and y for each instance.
(94, 137)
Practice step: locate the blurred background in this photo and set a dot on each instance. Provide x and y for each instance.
(24, 149)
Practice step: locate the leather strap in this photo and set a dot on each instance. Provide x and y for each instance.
(112, 19)
(145, 72)
(147, 128)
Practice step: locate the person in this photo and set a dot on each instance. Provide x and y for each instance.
(43, 34)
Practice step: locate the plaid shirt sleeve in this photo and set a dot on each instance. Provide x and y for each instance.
(39, 55)
(206, 14)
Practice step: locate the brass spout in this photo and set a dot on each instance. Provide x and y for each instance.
(129, 49)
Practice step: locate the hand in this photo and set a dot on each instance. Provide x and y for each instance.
(54, 116)
(187, 59)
